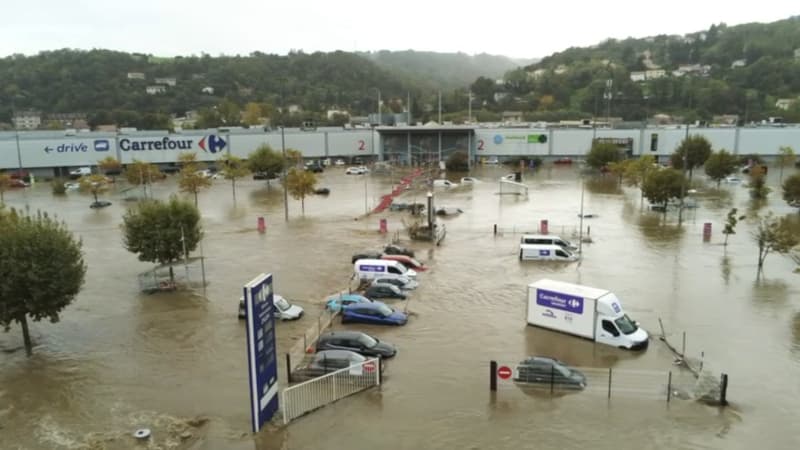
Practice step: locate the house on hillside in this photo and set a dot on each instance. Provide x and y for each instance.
(27, 120)
(648, 75)
(738, 63)
(155, 89)
(135, 76)
(797, 53)
(512, 116)
(168, 81)
(785, 103)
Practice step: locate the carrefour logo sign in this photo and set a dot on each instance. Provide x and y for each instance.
(211, 143)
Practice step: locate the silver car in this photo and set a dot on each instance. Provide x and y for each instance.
(402, 282)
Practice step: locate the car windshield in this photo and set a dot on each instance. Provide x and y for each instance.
(367, 341)
(281, 303)
(626, 325)
(563, 370)
(384, 310)
(402, 268)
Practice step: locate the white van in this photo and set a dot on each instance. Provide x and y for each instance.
(547, 239)
(368, 269)
(545, 252)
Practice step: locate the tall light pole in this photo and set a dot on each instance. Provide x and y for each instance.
(608, 95)
(469, 107)
(683, 180)
(16, 136)
(283, 152)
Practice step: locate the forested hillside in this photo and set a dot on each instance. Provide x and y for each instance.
(740, 70)
(743, 70)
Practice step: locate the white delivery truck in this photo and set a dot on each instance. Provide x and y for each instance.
(584, 311)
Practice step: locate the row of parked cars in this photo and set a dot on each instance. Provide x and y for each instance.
(382, 276)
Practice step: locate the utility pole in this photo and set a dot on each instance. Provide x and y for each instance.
(683, 180)
(608, 95)
(440, 107)
(185, 255)
(469, 107)
(285, 192)
(408, 106)
(16, 135)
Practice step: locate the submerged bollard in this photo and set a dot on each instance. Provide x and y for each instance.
(383, 227)
(262, 225)
(706, 231)
(543, 226)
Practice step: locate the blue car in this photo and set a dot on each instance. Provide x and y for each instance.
(335, 303)
(375, 313)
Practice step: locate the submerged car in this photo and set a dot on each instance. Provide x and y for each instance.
(368, 254)
(284, 310)
(547, 371)
(328, 361)
(374, 313)
(392, 249)
(356, 341)
(360, 170)
(402, 282)
(407, 261)
(336, 303)
(384, 290)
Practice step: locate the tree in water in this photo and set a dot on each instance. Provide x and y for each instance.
(43, 270)
(157, 231)
(300, 184)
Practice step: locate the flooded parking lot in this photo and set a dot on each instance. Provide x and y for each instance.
(176, 362)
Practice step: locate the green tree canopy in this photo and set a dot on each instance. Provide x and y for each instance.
(720, 164)
(300, 184)
(141, 173)
(663, 185)
(5, 184)
(42, 266)
(265, 160)
(94, 183)
(233, 168)
(153, 229)
(758, 182)
(774, 234)
(458, 161)
(603, 153)
(791, 190)
(191, 179)
(786, 158)
(696, 149)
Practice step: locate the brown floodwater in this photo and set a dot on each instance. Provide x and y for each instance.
(176, 362)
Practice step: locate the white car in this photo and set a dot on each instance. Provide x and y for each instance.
(360, 170)
(283, 309)
(509, 177)
(469, 180)
(492, 160)
(444, 184)
(339, 162)
(733, 179)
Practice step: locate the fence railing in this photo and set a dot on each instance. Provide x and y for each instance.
(305, 397)
(661, 385)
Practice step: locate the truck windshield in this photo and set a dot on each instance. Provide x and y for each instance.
(626, 325)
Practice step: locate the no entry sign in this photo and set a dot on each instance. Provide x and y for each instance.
(504, 372)
(369, 366)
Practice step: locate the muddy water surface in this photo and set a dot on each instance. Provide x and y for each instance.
(175, 362)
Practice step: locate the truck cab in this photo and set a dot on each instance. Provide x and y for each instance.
(614, 327)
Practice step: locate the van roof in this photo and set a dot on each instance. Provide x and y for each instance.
(377, 261)
(569, 288)
(541, 236)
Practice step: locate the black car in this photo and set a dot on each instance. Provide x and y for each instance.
(384, 290)
(100, 204)
(392, 249)
(315, 167)
(366, 255)
(355, 341)
(546, 371)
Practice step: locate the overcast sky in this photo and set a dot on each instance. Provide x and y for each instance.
(523, 29)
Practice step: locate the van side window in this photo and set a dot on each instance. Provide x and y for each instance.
(395, 270)
(561, 254)
(608, 326)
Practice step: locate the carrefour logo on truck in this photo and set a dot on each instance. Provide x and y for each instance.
(558, 300)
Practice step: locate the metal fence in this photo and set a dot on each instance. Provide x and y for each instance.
(663, 385)
(305, 397)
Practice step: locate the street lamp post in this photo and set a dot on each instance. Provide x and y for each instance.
(608, 95)
(683, 180)
(285, 192)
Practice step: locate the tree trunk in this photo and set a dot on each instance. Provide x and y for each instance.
(171, 275)
(233, 185)
(195, 198)
(303, 205)
(94, 192)
(26, 335)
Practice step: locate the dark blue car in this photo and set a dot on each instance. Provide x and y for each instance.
(376, 313)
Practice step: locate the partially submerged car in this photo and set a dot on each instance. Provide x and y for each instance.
(384, 290)
(407, 261)
(355, 341)
(328, 361)
(549, 371)
(284, 310)
(402, 282)
(393, 249)
(376, 313)
(335, 303)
